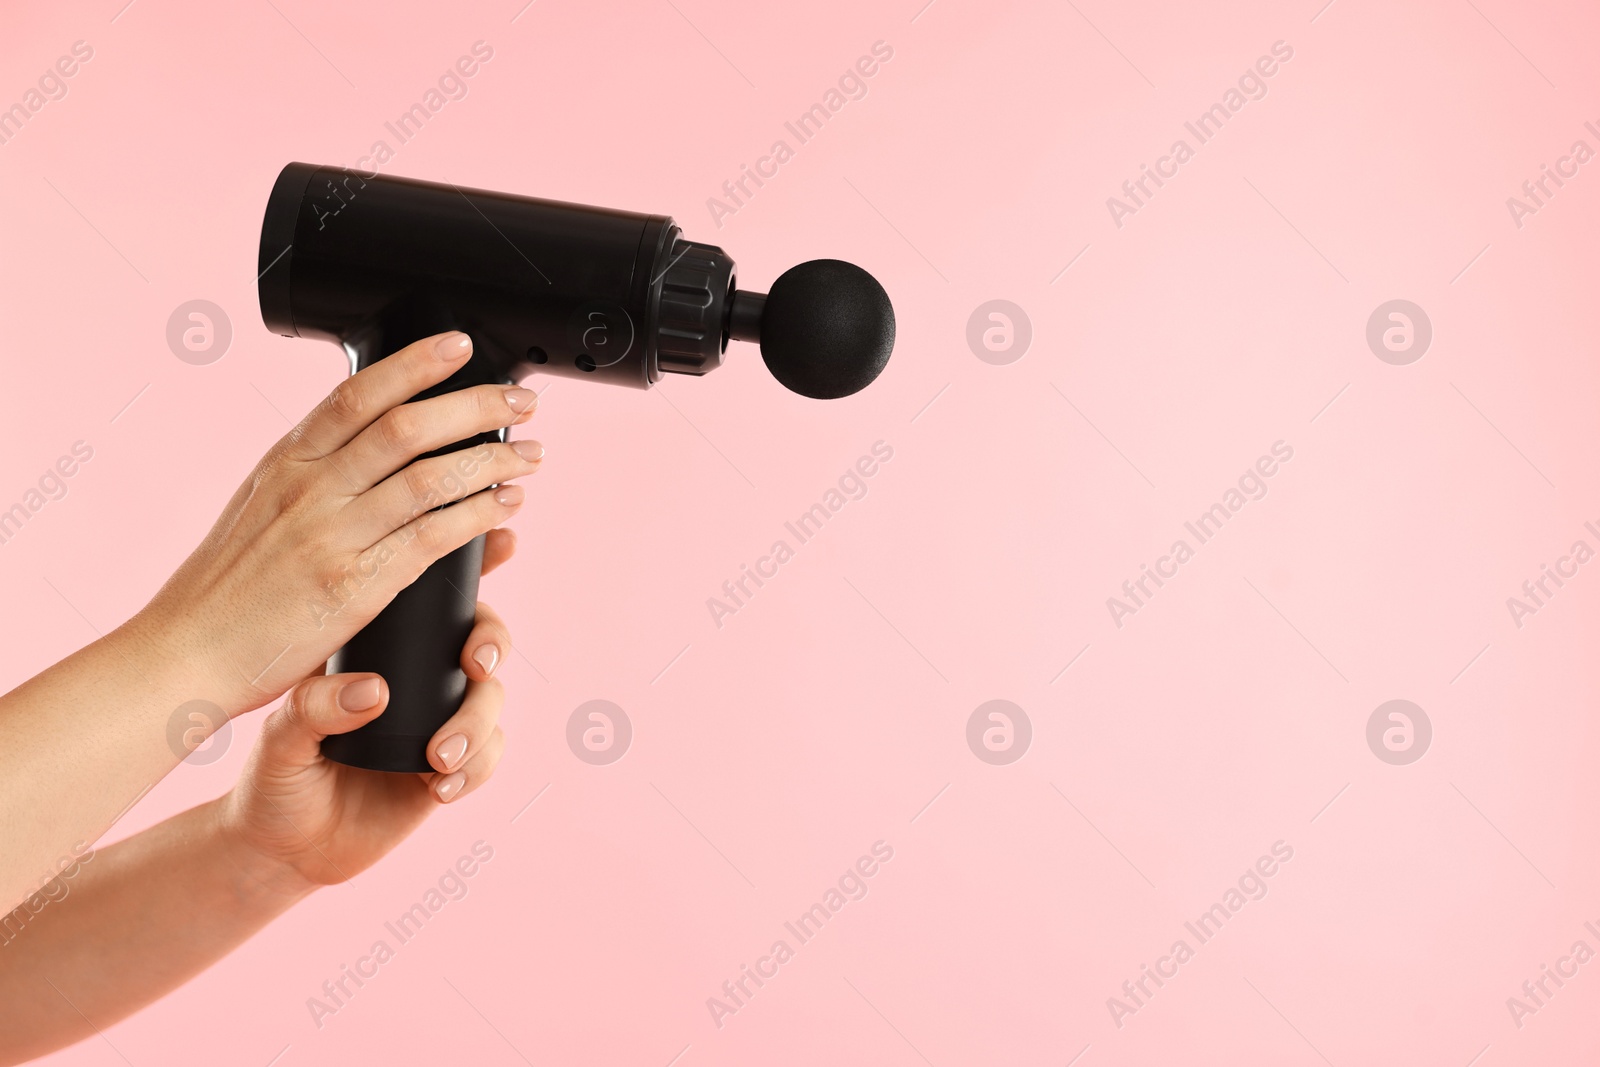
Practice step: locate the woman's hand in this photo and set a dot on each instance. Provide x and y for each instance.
(335, 520)
(157, 908)
(321, 822)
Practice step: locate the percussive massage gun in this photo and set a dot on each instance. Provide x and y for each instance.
(375, 263)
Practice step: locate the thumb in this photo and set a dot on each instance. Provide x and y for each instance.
(317, 707)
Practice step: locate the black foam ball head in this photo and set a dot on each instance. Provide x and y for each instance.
(827, 329)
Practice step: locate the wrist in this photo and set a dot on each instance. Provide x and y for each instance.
(177, 657)
(258, 879)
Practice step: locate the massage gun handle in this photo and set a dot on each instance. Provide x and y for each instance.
(415, 643)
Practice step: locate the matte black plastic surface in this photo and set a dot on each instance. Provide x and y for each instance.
(375, 262)
(340, 251)
(415, 643)
(827, 329)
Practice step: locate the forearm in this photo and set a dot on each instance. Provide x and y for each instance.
(139, 919)
(83, 740)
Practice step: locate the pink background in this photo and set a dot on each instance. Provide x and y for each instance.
(770, 754)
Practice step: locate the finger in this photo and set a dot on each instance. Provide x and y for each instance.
(318, 707)
(417, 544)
(466, 732)
(403, 433)
(499, 545)
(478, 770)
(486, 645)
(430, 483)
(361, 398)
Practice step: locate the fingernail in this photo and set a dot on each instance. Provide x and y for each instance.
(509, 495)
(488, 657)
(450, 785)
(359, 696)
(531, 451)
(520, 400)
(452, 749)
(452, 345)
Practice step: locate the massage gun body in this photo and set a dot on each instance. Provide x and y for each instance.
(540, 285)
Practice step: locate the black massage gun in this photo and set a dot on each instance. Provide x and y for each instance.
(375, 263)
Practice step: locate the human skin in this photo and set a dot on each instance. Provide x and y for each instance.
(244, 620)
